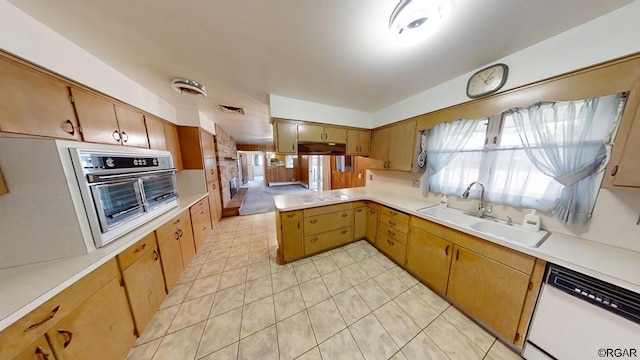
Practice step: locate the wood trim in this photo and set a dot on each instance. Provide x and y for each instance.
(530, 300)
(253, 147)
(611, 77)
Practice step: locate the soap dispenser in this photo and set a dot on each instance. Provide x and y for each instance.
(531, 221)
(444, 202)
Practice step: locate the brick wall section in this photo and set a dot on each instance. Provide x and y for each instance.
(227, 168)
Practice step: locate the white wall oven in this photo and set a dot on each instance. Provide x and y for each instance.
(121, 190)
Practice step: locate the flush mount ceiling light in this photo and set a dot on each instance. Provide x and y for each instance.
(186, 86)
(413, 21)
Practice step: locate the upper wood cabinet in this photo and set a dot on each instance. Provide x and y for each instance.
(208, 145)
(393, 146)
(102, 121)
(34, 103)
(321, 134)
(358, 142)
(173, 143)
(286, 137)
(155, 132)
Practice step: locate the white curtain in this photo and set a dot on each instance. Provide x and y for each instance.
(566, 142)
(444, 143)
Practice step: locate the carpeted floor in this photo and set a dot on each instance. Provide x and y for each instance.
(260, 199)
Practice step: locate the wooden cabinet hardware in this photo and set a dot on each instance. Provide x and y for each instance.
(68, 335)
(156, 255)
(446, 250)
(41, 353)
(51, 315)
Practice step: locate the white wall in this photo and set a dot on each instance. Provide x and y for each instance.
(289, 108)
(26, 37)
(607, 37)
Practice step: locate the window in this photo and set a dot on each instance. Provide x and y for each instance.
(545, 157)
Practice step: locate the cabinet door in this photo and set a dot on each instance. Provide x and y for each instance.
(39, 350)
(372, 224)
(215, 204)
(100, 328)
(360, 223)
(380, 144)
(200, 222)
(334, 134)
(32, 103)
(209, 156)
(628, 171)
(353, 142)
(173, 143)
(429, 258)
(97, 117)
(491, 291)
(286, 138)
(145, 287)
(155, 133)
(396, 250)
(292, 239)
(132, 127)
(187, 244)
(364, 141)
(311, 133)
(169, 245)
(401, 144)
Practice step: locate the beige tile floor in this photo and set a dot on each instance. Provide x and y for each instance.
(234, 302)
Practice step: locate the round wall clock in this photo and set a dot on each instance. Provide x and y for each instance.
(487, 81)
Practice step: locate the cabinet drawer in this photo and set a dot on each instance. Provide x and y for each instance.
(393, 233)
(515, 259)
(321, 223)
(32, 326)
(327, 240)
(394, 214)
(394, 249)
(200, 223)
(396, 224)
(199, 206)
(136, 250)
(291, 215)
(327, 209)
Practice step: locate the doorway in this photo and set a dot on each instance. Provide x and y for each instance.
(315, 173)
(252, 168)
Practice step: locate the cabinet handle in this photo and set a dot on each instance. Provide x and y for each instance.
(345, 214)
(201, 212)
(176, 222)
(614, 171)
(140, 248)
(213, 186)
(393, 213)
(314, 240)
(53, 313)
(41, 354)
(180, 232)
(116, 135)
(156, 256)
(204, 228)
(446, 250)
(69, 336)
(359, 210)
(372, 212)
(67, 126)
(125, 137)
(390, 242)
(343, 232)
(290, 215)
(457, 254)
(314, 221)
(177, 235)
(391, 233)
(292, 146)
(392, 223)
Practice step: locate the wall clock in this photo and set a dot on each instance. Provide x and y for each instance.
(487, 81)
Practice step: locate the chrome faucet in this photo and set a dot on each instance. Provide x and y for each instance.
(481, 210)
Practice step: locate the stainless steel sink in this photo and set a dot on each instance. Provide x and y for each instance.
(491, 227)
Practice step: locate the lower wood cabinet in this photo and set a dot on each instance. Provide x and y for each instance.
(200, 222)
(100, 328)
(215, 202)
(372, 223)
(39, 350)
(320, 242)
(175, 242)
(359, 221)
(393, 248)
(491, 291)
(143, 279)
(429, 258)
(290, 241)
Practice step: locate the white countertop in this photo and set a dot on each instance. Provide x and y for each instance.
(24, 288)
(608, 263)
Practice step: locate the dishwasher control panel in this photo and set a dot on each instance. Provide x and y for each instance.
(620, 301)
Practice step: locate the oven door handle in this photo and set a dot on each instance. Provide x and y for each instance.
(165, 196)
(123, 212)
(93, 178)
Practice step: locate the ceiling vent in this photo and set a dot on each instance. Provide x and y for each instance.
(186, 86)
(231, 109)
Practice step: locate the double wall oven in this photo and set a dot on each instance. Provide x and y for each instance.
(123, 189)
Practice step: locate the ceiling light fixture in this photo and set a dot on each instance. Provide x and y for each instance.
(187, 86)
(412, 21)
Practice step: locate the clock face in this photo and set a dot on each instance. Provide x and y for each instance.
(487, 80)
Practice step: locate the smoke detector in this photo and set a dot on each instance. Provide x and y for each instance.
(412, 21)
(231, 109)
(186, 86)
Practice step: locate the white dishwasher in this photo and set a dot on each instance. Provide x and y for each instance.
(579, 317)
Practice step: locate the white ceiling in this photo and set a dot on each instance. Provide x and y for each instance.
(334, 52)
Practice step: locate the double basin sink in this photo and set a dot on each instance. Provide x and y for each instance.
(513, 233)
